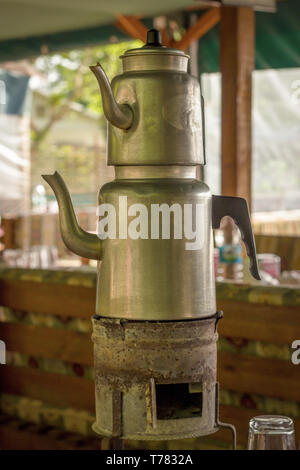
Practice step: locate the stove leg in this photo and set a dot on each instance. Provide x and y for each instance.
(224, 425)
(233, 431)
(112, 443)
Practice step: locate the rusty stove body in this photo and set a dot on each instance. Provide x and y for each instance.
(155, 380)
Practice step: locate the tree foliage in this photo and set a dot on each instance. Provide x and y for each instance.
(68, 79)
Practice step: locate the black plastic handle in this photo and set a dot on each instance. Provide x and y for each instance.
(237, 209)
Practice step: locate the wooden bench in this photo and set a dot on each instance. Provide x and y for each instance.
(287, 247)
(254, 368)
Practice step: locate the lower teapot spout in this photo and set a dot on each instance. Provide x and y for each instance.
(79, 241)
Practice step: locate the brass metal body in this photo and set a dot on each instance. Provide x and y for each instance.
(148, 279)
(170, 112)
(165, 101)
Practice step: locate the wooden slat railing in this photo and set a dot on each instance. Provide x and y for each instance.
(53, 343)
(50, 298)
(279, 324)
(267, 377)
(56, 389)
(273, 324)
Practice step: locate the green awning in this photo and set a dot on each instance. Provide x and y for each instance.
(277, 40)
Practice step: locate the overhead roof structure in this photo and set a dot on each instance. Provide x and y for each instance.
(31, 27)
(246, 39)
(31, 18)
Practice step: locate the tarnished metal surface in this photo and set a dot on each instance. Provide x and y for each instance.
(155, 380)
(154, 109)
(120, 116)
(157, 279)
(155, 171)
(154, 58)
(167, 127)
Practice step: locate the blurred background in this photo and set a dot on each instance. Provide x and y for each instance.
(246, 55)
(51, 119)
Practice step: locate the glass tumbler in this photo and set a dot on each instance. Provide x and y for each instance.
(271, 432)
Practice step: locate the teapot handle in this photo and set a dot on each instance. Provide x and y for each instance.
(237, 209)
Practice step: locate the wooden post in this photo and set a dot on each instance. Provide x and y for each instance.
(9, 227)
(206, 21)
(193, 49)
(112, 443)
(237, 30)
(132, 26)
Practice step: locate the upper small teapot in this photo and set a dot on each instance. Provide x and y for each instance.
(154, 108)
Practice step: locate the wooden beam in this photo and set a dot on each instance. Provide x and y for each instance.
(273, 324)
(237, 32)
(201, 27)
(49, 298)
(52, 343)
(165, 38)
(55, 389)
(254, 322)
(267, 377)
(132, 26)
(17, 434)
(9, 227)
(204, 5)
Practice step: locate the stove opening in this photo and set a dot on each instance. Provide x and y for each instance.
(177, 401)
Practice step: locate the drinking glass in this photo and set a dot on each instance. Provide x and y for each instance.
(271, 432)
(269, 263)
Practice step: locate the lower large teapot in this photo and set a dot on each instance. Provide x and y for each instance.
(152, 276)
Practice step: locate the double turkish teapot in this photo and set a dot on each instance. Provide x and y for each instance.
(155, 141)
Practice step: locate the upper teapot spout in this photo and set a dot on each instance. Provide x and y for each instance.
(119, 115)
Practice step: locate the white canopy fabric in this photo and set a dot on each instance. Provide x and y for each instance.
(29, 18)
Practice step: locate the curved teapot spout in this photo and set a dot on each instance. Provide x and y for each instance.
(118, 115)
(75, 238)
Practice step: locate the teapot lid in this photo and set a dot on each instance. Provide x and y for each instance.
(154, 56)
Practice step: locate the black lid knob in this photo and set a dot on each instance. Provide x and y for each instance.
(153, 38)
